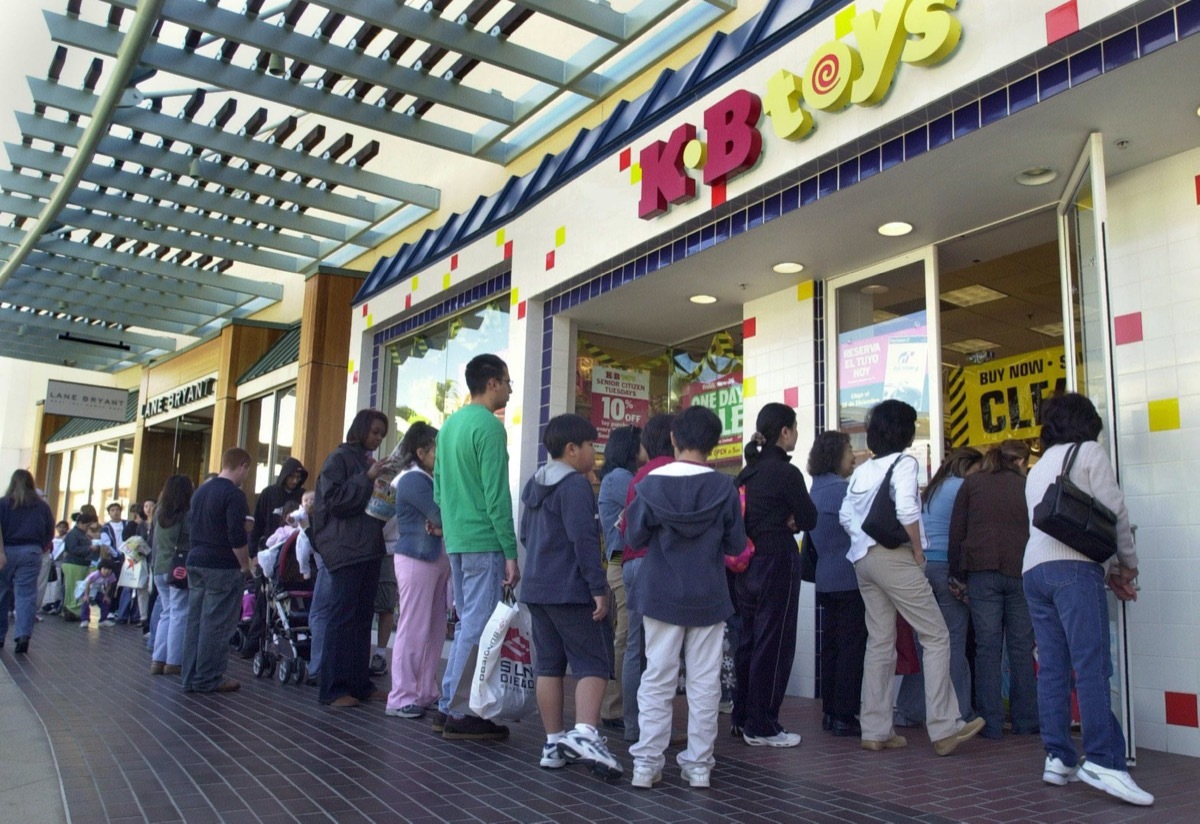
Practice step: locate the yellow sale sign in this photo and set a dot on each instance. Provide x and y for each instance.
(1001, 399)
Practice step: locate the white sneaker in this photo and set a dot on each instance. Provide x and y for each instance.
(83, 624)
(698, 776)
(1057, 773)
(589, 748)
(779, 739)
(1114, 782)
(645, 778)
(551, 758)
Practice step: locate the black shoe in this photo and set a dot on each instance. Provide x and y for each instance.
(21, 645)
(439, 721)
(473, 728)
(613, 723)
(846, 729)
(827, 721)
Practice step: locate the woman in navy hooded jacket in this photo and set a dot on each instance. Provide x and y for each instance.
(768, 592)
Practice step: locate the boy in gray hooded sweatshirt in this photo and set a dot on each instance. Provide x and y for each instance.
(689, 517)
(566, 591)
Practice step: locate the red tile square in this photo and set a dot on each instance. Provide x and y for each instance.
(453, 262)
(1181, 709)
(408, 301)
(355, 376)
(624, 159)
(749, 327)
(1198, 190)
(791, 396)
(550, 260)
(507, 249)
(521, 310)
(718, 194)
(1127, 328)
(1062, 21)
(365, 309)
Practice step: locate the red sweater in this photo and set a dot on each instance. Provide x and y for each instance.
(651, 465)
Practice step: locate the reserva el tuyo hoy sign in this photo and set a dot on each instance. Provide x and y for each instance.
(917, 32)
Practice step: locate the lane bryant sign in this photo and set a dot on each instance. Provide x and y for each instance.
(917, 32)
(192, 392)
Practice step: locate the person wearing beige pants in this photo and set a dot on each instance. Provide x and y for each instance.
(612, 710)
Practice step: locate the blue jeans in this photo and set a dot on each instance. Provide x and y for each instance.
(318, 617)
(478, 586)
(910, 702)
(214, 598)
(18, 588)
(127, 606)
(172, 609)
(1069, 609)
(346, 659)
(1001, 619)
(635, 651)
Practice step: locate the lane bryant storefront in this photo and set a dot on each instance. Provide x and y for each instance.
(969, 207)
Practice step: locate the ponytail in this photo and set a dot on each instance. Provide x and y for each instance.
(771, 421)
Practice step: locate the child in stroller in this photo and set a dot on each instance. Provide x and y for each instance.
(286, 642)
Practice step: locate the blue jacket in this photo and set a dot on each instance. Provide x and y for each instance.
(614, 489)
(415, 506)
(936, 515)
(835, 573)
(561, 534)
(689, 517)
(26, 525)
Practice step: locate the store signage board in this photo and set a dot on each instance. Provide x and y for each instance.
(1003, 398)
(180, 396)
(882, 361)
(79, 400)
(837, 75)
(620, 397)
(723, 396)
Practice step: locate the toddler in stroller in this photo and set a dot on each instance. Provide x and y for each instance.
(286, 642)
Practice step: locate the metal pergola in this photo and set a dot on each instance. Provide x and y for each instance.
(183, 157)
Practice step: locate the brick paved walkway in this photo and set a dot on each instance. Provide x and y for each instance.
(133, 748)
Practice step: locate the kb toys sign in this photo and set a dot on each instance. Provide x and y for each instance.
(918, 32)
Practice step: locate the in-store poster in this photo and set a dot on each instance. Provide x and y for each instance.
(620, 397)
(723, 396)
(882, 361)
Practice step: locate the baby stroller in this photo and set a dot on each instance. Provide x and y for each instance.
(286, 640)
(240, 641)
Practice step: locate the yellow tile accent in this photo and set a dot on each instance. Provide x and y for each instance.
(351, 368)
(749, 387)
(804, 291)
(843, 20)
(635, 174)
(515, 298)
(370, 321)
(516, 417)
(560, 236)
(414, 283)
(1164, 414)
(446, 281)
(500, 238)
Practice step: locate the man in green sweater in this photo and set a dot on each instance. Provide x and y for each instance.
(470, 486)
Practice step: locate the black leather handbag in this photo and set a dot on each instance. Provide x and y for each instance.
(1074, 517)
(881, 522)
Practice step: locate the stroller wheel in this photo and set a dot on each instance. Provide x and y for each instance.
(285, 670)
(271, 661)
(259, 664)
(301, 671)
(237, 641)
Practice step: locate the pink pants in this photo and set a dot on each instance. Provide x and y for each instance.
(420, 631)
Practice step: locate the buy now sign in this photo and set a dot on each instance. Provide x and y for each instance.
(917, 32)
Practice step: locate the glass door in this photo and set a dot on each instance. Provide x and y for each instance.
(1087, 322)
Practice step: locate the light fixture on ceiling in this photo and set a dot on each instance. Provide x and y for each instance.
(981, 357)
(966, 347)
(788, 267)
(1050, 330)
(972, 295)
(895, 228)
(1036, 176)
(702, 299)
(874, 289)
(69, 338)
(276, 65)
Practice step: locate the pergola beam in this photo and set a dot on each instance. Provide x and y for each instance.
(97, 332)
(88, 279)
(128, 311)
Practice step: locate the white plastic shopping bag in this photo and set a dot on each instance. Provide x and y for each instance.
(504, 685)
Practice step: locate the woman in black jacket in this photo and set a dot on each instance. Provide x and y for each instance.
(351, 545)
(768, 592)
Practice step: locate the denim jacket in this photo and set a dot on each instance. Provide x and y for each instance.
(415, 506)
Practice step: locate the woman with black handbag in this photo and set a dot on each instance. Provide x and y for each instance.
(1069, 608)
(882, 515)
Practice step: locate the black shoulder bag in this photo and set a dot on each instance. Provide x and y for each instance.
(1074, 517)
(881, 522)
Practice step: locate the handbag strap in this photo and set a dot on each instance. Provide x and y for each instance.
(887, 476)
(1069, 461)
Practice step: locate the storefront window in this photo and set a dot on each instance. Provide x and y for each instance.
(105, 474)
(425, 372)
(268, 430)
(79, 489)
(620, 382)
(883, 352)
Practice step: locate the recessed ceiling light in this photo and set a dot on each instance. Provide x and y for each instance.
(1050, 330)
(970, 345)
(788, 268)
(896, 228)
(972, 295)
(874, 289)
(1037, 176)
(702, 299)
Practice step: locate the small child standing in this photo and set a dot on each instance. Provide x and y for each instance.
(96, 587)
(689, 517)
(566, 591)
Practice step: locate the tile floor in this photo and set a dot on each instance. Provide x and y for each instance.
(134, 748)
